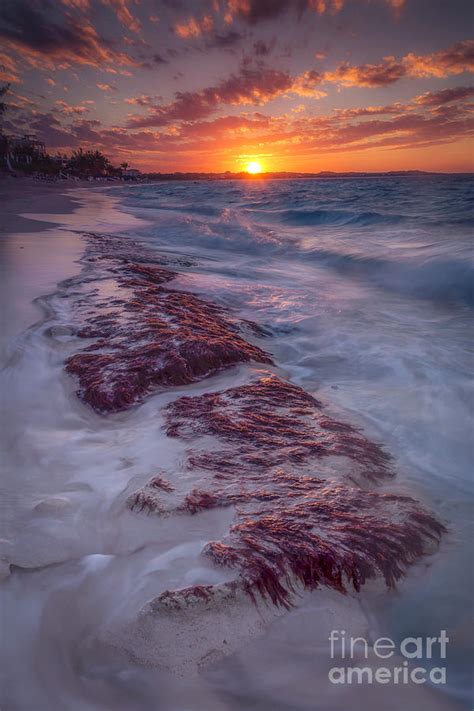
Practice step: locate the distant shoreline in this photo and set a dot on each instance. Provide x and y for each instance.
(323, 175)
(145, 178)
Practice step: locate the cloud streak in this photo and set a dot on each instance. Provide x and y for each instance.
(255, 11)
(452, 61)
(8, 69)
(270, 96)
(193, 27)
(124, 15)
(431, 119)
(248, 87)
(45, 37)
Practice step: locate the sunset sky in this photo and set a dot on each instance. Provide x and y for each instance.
(297, 85)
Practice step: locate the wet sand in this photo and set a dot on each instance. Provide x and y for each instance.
(33, 255)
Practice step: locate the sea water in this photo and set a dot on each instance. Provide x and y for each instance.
(366, 289)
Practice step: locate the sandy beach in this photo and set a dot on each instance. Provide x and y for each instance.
(21, 251)
(85, 577)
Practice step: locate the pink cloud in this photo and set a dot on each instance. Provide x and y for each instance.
(367, 75)
(292, 135)
(254, 11)
(250, 86)
(142, 100)
(106, 87)
(305, 85)
(71, 39)
(69, 109)
(8, 69)
(123, 14)
(454, 60)
(194, 27)
(445, 96)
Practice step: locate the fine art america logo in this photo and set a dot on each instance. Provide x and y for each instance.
(408, 657)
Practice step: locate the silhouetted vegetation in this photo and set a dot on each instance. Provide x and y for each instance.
(3, 91)
(89, 163)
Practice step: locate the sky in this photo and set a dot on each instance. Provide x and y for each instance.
(211, 85)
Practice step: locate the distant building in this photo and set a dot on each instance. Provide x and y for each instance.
(130, 173)
(27, 142)
(24, 149)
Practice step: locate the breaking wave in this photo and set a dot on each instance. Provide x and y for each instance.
(305, 218)
(448, 280)
(409, 236)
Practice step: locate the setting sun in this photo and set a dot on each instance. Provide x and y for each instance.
(254, 168)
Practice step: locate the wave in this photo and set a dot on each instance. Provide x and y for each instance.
(413, 241)
(435, 278)
(306, 218)
(443, 280)
(461, 222)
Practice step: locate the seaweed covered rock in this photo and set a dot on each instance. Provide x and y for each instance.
(270, 422)
(330, 535)
(295, 526)
(145, 333)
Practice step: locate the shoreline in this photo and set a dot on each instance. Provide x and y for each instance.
(25, 275)
(39, 219)
(27, 195)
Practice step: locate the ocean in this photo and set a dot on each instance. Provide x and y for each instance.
(367, 286)
(363, 292)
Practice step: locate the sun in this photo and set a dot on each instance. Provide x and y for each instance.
(253, 167)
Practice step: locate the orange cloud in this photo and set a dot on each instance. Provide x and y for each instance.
(455, 60)
(77, 4)
(391, 109)
(8, 69)
(451, 61)
(253, 11)
(106, 87)
(322, 6)
(292, 141)
(194, 27)
(123, 14)
(305, 85)
(445, 96)
(122, 11)
(142, 100)
(19, 101)
(369, 75)
(57, 43)
(249, 86)
(69, 109)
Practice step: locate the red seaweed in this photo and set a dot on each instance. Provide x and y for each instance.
(301, 530)
(148, 498)
(152, 336)
(293, 527)
(333, 536)
(271, 422)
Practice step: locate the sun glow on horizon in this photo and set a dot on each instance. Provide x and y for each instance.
(253, 167)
